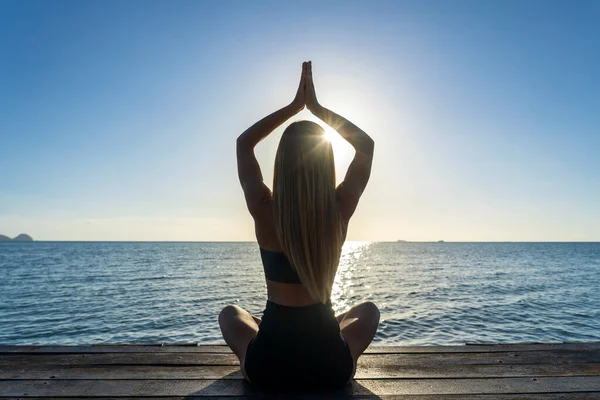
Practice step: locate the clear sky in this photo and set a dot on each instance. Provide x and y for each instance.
(118, 119)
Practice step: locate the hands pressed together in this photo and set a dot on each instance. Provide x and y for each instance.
(306, 96)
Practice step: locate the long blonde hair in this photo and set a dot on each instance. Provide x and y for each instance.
(307, 219)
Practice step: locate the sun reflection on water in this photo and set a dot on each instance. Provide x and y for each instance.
(342, 290)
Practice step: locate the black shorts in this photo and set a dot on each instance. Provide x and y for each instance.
(298, 348)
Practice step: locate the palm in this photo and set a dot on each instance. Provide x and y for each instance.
(311, 96)
(300, 99)
(306, 96)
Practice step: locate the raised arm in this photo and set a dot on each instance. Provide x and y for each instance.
(359, 171)
(251, 179)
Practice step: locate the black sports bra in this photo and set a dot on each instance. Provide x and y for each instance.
(277, 267)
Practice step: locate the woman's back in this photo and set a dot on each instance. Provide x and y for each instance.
(283, 283)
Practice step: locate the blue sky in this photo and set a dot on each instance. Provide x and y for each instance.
(118, 119)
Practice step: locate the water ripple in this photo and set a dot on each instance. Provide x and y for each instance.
(428, 293)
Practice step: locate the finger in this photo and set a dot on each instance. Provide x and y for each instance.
(306, 72)
(303, 80)
(303, 75)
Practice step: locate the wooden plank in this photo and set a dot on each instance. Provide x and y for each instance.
(534, 396)
(104, 388)
(476, 348)
(218, 348)
(478, 386)
(113, 349)
(124, 372)
(233, 371)
(452, 359)
(118, 359)
(538, 396)
(367, 360)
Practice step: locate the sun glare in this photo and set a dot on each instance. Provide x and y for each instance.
(341, 149)
(352, 254)
(333, 137)
(329, 134)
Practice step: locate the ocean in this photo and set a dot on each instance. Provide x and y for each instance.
(70, 293)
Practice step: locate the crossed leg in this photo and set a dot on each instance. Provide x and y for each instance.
(238, 327)
(358, 326)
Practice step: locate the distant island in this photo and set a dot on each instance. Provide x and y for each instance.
(23, 237)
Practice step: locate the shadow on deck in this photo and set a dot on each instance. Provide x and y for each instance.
(474, 372)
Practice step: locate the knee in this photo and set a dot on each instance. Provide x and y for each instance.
(227, 313)
(371, 310)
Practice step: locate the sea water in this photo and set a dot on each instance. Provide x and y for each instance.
(428, 293)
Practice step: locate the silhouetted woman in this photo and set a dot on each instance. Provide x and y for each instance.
(301, 227)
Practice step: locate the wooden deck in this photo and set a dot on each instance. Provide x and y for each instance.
(473, 372)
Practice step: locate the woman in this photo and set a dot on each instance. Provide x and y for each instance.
(301, 227)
